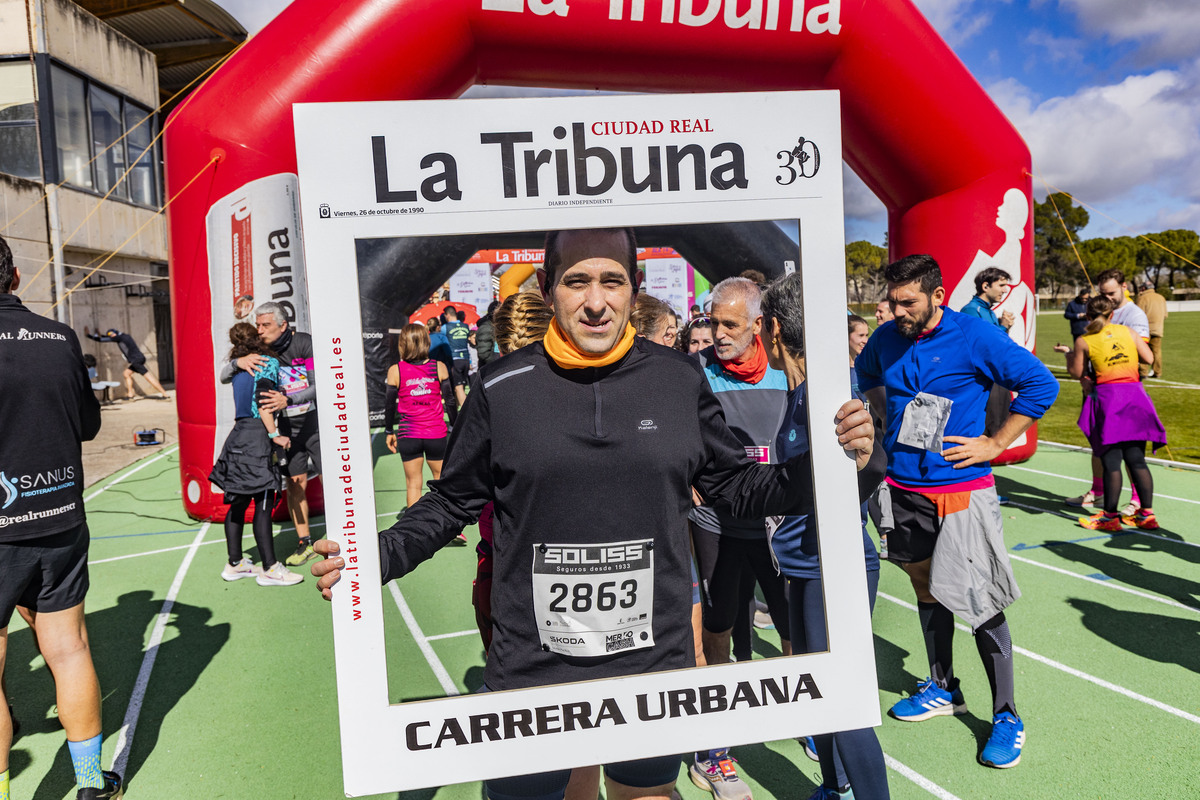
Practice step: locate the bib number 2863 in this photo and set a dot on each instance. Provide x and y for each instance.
(594, 600)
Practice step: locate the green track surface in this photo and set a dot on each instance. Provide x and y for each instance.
(241, 700)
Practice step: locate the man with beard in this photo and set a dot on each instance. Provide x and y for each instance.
(621, 430)
(731, 554)
(933, 369)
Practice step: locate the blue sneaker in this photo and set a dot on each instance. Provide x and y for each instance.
(810, 749)
(845, 793)
(930, 701)
(1003, 748)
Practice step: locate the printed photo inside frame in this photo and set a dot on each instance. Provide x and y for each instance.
(431, 178)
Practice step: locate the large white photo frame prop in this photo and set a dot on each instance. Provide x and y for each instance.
(768, 156)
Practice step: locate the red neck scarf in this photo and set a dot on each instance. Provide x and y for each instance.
(752, 369)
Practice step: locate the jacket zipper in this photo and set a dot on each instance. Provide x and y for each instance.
(599, 417)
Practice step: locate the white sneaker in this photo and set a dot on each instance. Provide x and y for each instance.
(242, 569)
(1088, 498)
(1129, 509)
(278, 575)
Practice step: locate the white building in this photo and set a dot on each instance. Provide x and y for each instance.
(81, 187)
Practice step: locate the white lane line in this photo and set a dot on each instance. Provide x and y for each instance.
(454, 635)
(918, 779)
(155, 552)
(1106, 584)
(434, 662)
(134, 710)
(1089, 480)
(1121, 690)
(138, 468)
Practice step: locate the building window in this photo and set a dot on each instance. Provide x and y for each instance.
(89, 124)
(71, 128)
(107, 128)
(142, 185)
(18, 125)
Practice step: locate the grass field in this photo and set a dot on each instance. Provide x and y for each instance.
(1175, 398)
(227, 690)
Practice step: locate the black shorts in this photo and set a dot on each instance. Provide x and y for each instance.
(460, 371)
(643, 773)
(740, 562)
(916, 526)
(432, 449)
(46, 574)
(304, 454)
(139, 367)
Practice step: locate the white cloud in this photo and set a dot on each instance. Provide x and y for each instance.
(956, 20)
(1105, 141)
(1166, 30)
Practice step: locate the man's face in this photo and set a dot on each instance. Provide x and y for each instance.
(992, 292)
(1114, 291)
(913, 308)
(699, 339)
(883, 312)
(733, 328)
(268, 328)
(592, 297)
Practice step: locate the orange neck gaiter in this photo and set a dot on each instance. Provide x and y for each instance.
(568, 356)
(752, 369)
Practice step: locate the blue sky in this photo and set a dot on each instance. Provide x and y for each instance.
(1105, 92)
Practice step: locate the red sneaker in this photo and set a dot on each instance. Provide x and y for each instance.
(1143, 519)
(1101, 522)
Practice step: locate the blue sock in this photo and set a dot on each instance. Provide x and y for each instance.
(85, 758)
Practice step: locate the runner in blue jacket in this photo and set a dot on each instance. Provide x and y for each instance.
(934, 368)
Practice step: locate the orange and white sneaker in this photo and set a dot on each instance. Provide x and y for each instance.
(1102, 522)
(1143, 520)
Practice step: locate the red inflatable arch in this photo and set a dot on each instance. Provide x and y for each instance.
(950, 168)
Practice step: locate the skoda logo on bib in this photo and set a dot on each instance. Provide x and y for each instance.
(594, 600)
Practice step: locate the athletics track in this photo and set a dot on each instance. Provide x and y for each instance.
(215, 689)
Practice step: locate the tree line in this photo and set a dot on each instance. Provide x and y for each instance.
(1056, 266)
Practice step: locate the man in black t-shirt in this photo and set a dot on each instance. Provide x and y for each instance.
(47, 408)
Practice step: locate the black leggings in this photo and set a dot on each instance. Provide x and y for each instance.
(1134, 456)
(235, 520)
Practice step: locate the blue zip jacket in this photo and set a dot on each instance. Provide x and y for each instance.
(978, 307)
(960, 359)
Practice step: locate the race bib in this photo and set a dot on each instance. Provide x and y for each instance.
(293, 379)
(924, 422)
(594, 600)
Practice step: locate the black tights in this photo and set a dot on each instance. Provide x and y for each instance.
(235, 520)
(1134, 456)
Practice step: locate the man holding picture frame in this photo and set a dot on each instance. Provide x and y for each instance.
(566, 436)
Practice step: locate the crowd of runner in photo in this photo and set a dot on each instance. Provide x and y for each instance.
(427, 383)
